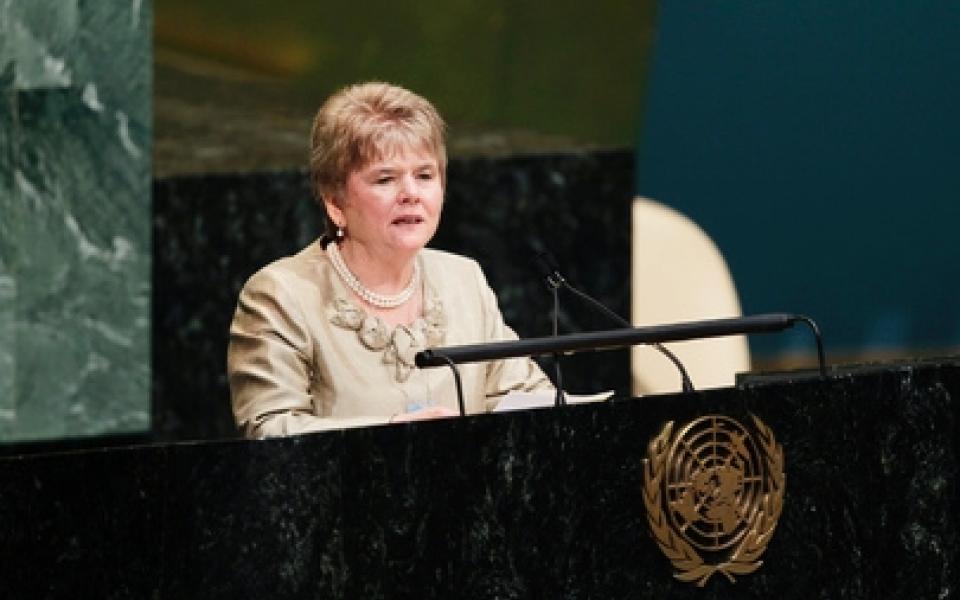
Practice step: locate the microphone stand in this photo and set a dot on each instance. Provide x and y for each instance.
(456, 380)
(554, 286)
(619, 338)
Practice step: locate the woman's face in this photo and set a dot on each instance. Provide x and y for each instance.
(393, 204)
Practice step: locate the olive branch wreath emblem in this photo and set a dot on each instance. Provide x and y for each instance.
(745, 556)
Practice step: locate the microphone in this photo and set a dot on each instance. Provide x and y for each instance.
(550, 270)
(554, 285)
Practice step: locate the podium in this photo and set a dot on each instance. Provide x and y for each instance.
(544, 503)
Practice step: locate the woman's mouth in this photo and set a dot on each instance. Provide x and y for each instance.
(407, 220)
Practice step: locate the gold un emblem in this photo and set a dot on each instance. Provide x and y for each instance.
(713, 493)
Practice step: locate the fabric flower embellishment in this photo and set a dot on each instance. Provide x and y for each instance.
(401, 345)
(434, 321)
(403, 348)
(373, 333)
(346, 314)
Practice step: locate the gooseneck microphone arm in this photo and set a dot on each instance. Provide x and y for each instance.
(555, 279)
(684, 376)
(456, 380)
(821, 358)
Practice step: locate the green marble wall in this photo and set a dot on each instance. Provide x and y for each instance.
(75, 148)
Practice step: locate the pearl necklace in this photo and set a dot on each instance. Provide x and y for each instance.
(378, 300)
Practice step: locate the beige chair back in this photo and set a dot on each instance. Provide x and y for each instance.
(677, 275)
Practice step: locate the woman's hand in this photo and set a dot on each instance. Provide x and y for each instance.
(425, 414)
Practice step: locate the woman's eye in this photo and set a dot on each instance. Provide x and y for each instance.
(427, 176)
(384, 180)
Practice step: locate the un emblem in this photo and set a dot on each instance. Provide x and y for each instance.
(713, 494)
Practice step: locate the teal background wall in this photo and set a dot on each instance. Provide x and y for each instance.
(819, 144)
(75, 151)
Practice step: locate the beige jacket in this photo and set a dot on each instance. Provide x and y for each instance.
(304, 356)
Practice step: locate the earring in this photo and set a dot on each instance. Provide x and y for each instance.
(339, 232)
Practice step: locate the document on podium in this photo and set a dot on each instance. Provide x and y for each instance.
(544, 398)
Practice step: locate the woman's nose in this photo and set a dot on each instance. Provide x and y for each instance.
(409, 191)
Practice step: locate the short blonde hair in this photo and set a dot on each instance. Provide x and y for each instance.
(366, 122)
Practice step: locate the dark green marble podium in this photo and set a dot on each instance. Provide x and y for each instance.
(538, 504)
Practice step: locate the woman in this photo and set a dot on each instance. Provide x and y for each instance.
(327, 338)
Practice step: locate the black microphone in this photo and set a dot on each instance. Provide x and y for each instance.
(550, 270)
(554, 285)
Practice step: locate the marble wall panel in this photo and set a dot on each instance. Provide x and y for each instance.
(75, 84)
(7, 283)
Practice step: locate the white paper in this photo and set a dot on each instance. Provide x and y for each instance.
(543, 399)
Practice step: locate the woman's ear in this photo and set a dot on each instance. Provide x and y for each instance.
(332, 206)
